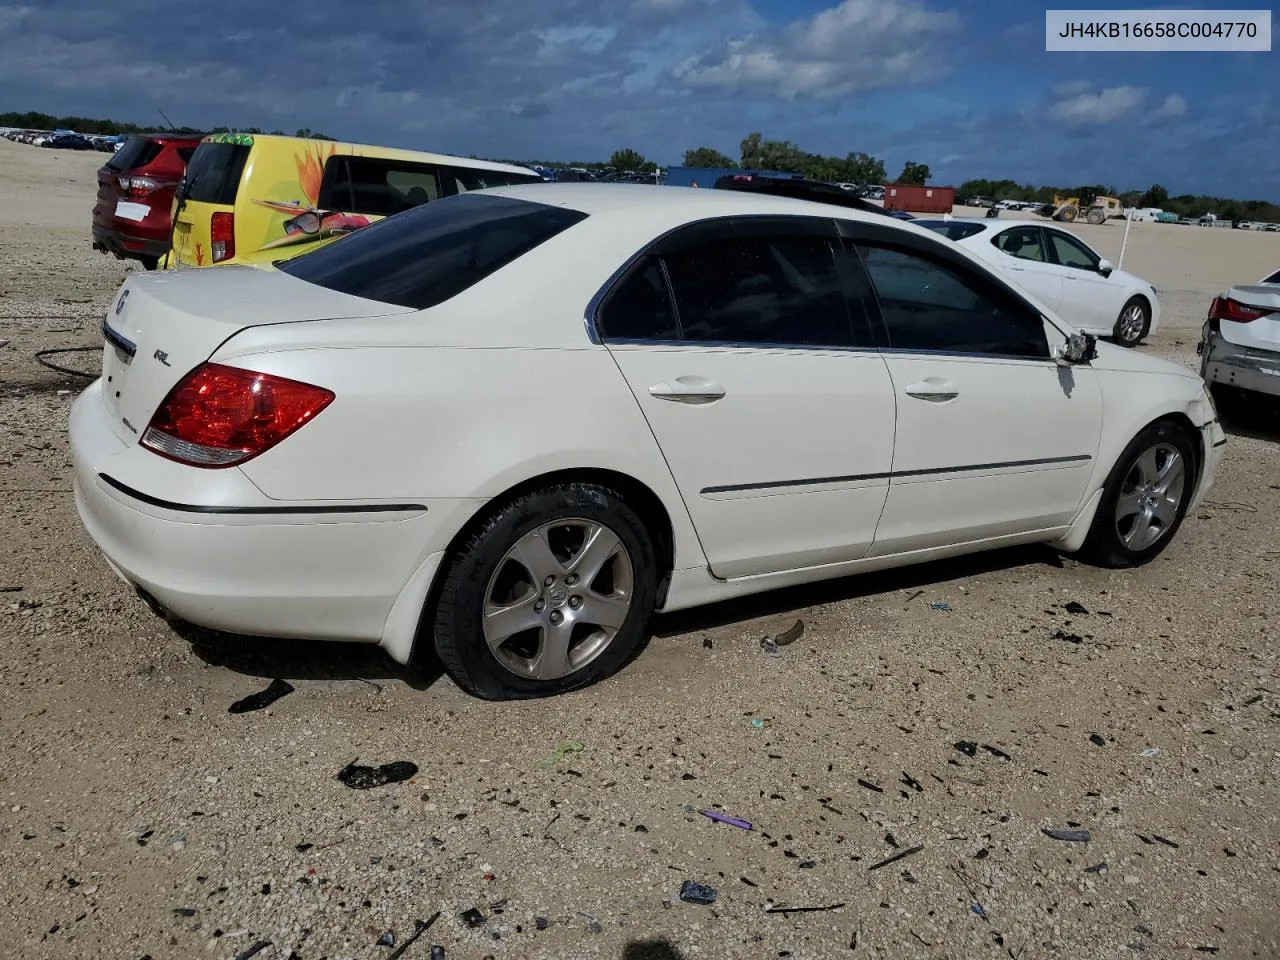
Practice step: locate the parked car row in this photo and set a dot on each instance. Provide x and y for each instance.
(65, 140)
(757, 391)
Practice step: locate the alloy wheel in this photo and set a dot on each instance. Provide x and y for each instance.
(1147, 506)
(1131, 323)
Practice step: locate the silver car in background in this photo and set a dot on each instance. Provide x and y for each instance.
(1240, 342)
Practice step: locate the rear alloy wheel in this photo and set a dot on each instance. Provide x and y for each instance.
(1145, 498)
(552, 593)
(1133, 323)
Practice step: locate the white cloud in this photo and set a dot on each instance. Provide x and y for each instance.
(1079, 107)
(1072, 88)
(1173, 107)
(857, 45)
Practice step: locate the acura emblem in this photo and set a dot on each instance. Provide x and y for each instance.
(120, 303)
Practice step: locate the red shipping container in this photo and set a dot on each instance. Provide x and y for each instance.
(917, 199)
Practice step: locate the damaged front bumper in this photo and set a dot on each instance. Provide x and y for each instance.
(1246, 368)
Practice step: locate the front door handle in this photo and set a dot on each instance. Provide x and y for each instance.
(688, 390)
(933, 389)
(1015, 269)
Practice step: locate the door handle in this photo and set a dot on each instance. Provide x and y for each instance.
(933, 389)
(1015, 269)
(688, 390)
(1070, 276)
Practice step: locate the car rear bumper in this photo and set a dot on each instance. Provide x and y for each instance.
(1247, 368)
(126, 243)
(239, 562)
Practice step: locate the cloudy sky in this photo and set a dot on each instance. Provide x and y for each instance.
(966, 87)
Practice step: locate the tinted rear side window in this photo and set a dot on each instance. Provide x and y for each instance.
(213, 175)
(427, 255)
(466, 179)
(952, 230)
(377, 187)
(136, 152)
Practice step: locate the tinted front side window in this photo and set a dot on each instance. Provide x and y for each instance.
(1070, 252)
(213, 175)
(640, 307)
(928, 304)
(1022, 242)
(761, 290)
(433, 252)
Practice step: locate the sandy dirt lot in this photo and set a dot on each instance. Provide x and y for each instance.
(139, 818)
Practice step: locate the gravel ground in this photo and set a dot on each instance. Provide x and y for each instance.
(140, 818)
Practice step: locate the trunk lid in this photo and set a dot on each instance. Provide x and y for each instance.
(1260, 334)
(163, 325)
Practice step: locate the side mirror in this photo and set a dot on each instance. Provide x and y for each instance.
(1106, 267)
(1079, 348)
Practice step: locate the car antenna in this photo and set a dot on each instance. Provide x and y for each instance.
(167, 120)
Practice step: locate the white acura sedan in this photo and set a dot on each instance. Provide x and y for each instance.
(507, 426)
(1062, 272)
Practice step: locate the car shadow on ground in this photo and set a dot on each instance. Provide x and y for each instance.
(326, 661)
(790, 599)
(312, 660)
(1254, 419)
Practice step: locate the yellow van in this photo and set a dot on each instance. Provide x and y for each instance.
(255, 199)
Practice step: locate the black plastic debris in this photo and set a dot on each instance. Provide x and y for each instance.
(254, 950)
(420, 927)
(910, 781)
(388, 939)
(1096, 868)
(437, 952)
(790, 635)
(807, 864)
(996, 752)
(822, 909)
(691, 892)
(866, 785)
(1070, 836)
(1075, 608)
(1207, 949)
(706, 642)
(275, 690)
(1165, 840)
(1096, 740)
(363, 778)
(472, 918)
(968, 747)
(184, 911)
(1060, 634)
(982, 854)
(541, 923)
(303, 847)
(910, 851)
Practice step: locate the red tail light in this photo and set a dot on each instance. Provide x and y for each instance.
(138, 186)
(1224, 308)
(222, 235)
(217, 416)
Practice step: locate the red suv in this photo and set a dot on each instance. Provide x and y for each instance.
(135, 195)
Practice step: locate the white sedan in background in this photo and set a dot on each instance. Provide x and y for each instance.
(1062, 272)
(508, 426)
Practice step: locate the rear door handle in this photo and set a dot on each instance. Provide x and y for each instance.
(688, 390)
(933, 389)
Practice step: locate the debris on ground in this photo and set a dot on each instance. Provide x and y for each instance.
(1076, 608)
(822, 909)
(257, 701)
(866, 785)
(472, 918)
(978, 910)
(910, 851)
(1097, 868)
(769, 647)
(254, 950)
(691, 892)
(541, 923)
(1150, 751)
(388, 939)
(1070, 836)
(363, 778)
(437, 952)
(790, 635)
(1060, 634)
(1096, 740)
(940, 605)
(758, 723)
(968, 747)
(562, 751)
(725, 818)
(706, 643)
(996, 752)
(420, 927)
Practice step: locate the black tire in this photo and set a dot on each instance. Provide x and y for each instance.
(1126, 339)
(457, 626)
(1104, 546)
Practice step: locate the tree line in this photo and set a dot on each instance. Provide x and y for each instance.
(1184, 205)
(32, 120)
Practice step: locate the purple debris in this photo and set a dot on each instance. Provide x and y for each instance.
(725, 818)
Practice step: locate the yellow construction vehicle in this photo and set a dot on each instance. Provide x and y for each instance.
(1098, 210)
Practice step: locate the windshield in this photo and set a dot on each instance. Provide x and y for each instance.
(433, 252)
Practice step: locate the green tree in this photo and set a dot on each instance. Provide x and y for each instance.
(912, 172)
(708, 157)
(1156, 196)
(628, 159)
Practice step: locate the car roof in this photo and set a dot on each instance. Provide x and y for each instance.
(597, 198)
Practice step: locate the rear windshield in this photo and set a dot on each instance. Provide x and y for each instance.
(136, 152)
(427, 255)
(1274, 278)
(213, 174)
(952, 230)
